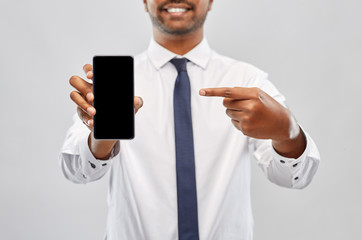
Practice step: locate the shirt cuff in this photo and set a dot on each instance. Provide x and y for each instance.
(92, 165)
(294, 164)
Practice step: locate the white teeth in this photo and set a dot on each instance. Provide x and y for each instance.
(176, 10)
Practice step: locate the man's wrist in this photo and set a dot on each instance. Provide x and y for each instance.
(291, 147)
(101, 149)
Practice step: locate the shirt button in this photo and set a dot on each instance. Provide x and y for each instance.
(296, 178)
(92, 164)
(282, 161)
(104, 164)
(295, 165)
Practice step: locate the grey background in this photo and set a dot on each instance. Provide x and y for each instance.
(311, 49)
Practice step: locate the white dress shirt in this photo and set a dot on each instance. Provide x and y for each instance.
(142, 201)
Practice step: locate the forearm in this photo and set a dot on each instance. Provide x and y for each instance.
(101, 149)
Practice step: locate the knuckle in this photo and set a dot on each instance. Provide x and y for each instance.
(236, 124)
(247, 119)
(252, 106)
(262, 96)
(227, 111)
(227, 93)
(258, 92)
(244, 128)
(226, 102)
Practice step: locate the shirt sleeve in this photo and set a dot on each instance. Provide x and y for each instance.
(77, 161)
(286, 172)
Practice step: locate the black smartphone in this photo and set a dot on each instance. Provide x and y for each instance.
(113, 89)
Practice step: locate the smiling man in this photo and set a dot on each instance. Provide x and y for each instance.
(186, 175)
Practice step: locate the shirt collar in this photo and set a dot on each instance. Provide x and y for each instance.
(159, 55)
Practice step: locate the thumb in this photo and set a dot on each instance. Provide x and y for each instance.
(138, 103)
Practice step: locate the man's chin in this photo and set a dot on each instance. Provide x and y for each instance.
(176, 30)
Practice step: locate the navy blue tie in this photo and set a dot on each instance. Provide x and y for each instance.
(185, 164)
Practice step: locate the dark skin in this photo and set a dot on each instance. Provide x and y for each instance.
(251, 110)
(257, 115)
(167, 25)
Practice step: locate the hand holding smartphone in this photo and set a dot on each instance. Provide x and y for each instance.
(113, 89)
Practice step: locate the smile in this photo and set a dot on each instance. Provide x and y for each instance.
(176, 10)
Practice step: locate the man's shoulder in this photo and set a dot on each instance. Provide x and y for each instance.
(142, 63)
(140, 57)
(233, 65)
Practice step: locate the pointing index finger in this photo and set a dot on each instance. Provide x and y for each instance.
(228, 92)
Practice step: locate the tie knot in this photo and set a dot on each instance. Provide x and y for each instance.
(180, 64)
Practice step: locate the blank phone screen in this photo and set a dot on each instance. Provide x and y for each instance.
(113, 91)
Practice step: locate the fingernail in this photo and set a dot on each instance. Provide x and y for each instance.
(90, 110)
(89, 96)
(88, 122)
(140, 102)
(202, 92)
(88, 73)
